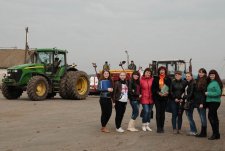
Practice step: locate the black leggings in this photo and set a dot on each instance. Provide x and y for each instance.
(213, 117)
(106, 107)
(120, 110)
(160, 106)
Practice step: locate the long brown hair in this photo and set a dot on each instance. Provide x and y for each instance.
(202, 82)
(217, 78)
(102, 75)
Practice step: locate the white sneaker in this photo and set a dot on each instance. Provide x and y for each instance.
(120, 130)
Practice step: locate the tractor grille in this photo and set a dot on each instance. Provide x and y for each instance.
(15, 75)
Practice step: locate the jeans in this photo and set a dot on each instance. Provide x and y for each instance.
(147, 109)
(106, 107)
(191, 121)
(120, 108)
(135, 109)
(202, 115)
(213, 117)
(177, 113)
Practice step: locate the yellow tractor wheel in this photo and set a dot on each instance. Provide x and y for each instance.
(77, 85)
(37, 88)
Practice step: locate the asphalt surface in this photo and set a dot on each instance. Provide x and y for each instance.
(65, 125)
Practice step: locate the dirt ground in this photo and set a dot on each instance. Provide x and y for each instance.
(62, 125)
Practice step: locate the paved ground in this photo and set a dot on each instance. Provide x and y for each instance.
(61, 125)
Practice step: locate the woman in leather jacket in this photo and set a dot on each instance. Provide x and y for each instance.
(177, 89)
(189, 99)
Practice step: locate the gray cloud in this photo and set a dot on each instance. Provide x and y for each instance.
(99, 30)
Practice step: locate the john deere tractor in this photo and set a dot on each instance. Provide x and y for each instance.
(46, 75)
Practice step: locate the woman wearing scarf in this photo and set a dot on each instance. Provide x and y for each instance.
(160, 90)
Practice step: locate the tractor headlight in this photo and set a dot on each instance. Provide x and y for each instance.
(15, 70)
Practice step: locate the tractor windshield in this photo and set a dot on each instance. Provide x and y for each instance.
(181, 66)
(45, 58)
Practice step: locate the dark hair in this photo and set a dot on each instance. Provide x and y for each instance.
(147, 69)
(178, 72)
(202, 82)
(160, 68)
(217, 78)
(135, 73)
(102, 75)
(134, 82)
(190, 73)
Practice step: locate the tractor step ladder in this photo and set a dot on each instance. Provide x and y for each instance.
(56, 86)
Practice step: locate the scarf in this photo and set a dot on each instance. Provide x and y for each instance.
(161, 81)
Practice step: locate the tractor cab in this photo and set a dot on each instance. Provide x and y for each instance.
(172, 66)
(53, 60)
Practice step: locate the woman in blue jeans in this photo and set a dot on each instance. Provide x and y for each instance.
(177, 90)
(189, 97)
(200, 100)
(134, 97)
(146, 98)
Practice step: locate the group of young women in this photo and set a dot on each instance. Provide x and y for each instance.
(178, 94)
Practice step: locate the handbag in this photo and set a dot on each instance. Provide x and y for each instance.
(187, 105)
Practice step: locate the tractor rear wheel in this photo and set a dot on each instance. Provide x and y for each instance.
(77, 85)
(11, 92)
(37, 88)
(62, 89)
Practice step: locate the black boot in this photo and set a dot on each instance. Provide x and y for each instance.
(214, 136)
(203, 132)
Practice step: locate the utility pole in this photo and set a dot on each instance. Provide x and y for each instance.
(127, 58)
(26, 45)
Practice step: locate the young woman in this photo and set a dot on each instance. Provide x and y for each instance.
(213, 99)
(189, 97)
(200, 100)
(146, 98)
(105, 99)
(177, 90)
(134, 97)
(120, 98)
(160, 90)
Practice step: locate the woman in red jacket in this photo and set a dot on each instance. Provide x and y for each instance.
(146, 98)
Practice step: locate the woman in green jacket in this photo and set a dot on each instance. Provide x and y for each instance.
(213, 99)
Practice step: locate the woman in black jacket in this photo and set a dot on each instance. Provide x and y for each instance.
(189, 98)
(160, 91)
(200, 100)
(134, 97)
(177, 90)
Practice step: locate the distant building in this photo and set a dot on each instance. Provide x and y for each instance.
(9, 58)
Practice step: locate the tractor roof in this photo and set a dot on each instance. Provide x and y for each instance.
(50, 50)
(169, 61)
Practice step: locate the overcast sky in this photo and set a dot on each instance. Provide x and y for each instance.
(100, 30)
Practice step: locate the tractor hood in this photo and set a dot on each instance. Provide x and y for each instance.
(27, 66)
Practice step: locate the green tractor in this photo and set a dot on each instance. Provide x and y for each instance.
(46, 75)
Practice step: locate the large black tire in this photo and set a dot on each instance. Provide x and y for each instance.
(11, 92)
(77, 85)
(37, 88)
(62, 89)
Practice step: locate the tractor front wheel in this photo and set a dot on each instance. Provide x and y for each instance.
(37, 88)
(11, 92)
